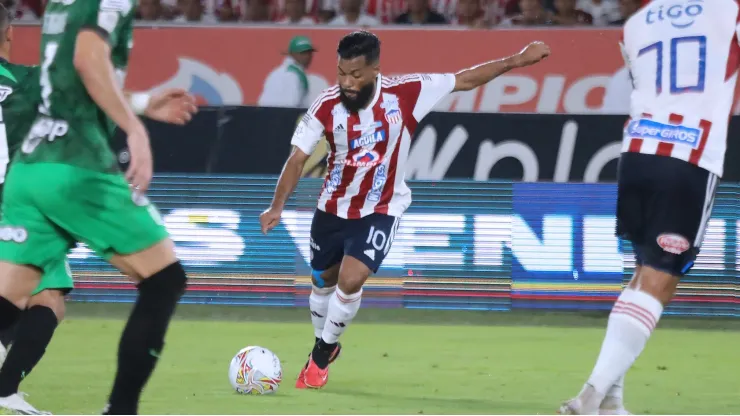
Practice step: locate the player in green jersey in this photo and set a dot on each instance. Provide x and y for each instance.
(64, 186)
(19, 99)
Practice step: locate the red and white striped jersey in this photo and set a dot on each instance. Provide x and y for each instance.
(368, 149)
(683, 56)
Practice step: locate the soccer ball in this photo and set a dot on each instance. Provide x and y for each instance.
(255, 370)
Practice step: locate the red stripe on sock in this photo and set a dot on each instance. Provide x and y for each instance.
(639, 309)
(638, 318)
(347, 300)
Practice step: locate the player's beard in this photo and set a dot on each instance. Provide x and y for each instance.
(363, 97)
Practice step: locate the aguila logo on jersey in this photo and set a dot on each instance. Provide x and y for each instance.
(5, 92)
(364, 158)
(680, 16)
(673, 243)
(368, 139)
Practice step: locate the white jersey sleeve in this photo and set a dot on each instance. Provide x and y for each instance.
(434, 87)
(308, 133)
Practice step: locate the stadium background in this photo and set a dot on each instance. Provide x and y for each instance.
(501, 219)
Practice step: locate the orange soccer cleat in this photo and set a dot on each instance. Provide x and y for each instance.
(301, 382)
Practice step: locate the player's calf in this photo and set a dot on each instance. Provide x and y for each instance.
(35, 329)
(343, 306)
(323, 285)
(17, 282)
(143, 337)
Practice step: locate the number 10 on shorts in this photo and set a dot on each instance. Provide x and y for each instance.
(379, 239)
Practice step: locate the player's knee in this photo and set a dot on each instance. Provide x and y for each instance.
(660, 284)
(325, 278)
(170, 282)
(52, 299)
(352, 275)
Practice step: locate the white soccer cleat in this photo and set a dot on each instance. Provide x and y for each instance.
(613, 406)
(614, 412)
(18, 404)
(575, 407)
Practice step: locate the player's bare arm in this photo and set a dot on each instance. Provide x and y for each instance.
(92, 62)
(482, 74)
(286, 185)
(173, 105)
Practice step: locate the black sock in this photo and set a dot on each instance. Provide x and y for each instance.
(9, 314)
(321, 353)
(8, 336)
(143, 338)
(35, 329)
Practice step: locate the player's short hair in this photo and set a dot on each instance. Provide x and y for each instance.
(360, 43)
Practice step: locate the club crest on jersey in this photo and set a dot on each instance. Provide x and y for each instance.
(5, 92)
(368, 139)
(392, 111)
(364, 158)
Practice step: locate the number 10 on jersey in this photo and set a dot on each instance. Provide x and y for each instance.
(677, 61)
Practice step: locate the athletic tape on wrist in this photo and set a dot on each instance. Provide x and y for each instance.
(139, 102)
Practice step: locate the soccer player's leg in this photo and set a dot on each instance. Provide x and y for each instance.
(36, 326)
(29, 245)
(327, 250)
(676, 206)
(126, 229)
(368, 241)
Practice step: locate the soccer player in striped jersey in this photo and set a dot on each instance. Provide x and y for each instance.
(368, 121)
(683, 57)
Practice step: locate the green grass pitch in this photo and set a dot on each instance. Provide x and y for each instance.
(394, 362)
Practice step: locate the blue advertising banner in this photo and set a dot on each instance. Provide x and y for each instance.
(462, 245)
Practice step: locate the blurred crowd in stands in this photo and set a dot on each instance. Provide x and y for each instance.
(477, 14)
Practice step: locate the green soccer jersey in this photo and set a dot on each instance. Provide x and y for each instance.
(19, 98)
(70, 128)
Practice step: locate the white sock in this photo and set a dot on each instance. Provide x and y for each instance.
(342, 309)
(631, 322)
(615, 396)
(318, 302)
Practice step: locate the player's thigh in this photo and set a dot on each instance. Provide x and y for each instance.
(327, 247)
(370, 241)
(679, 214)
(103, 212)
(147, 262)
(121, 263)
(632, 199)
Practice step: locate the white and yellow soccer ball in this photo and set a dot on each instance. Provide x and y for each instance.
(255, 370)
